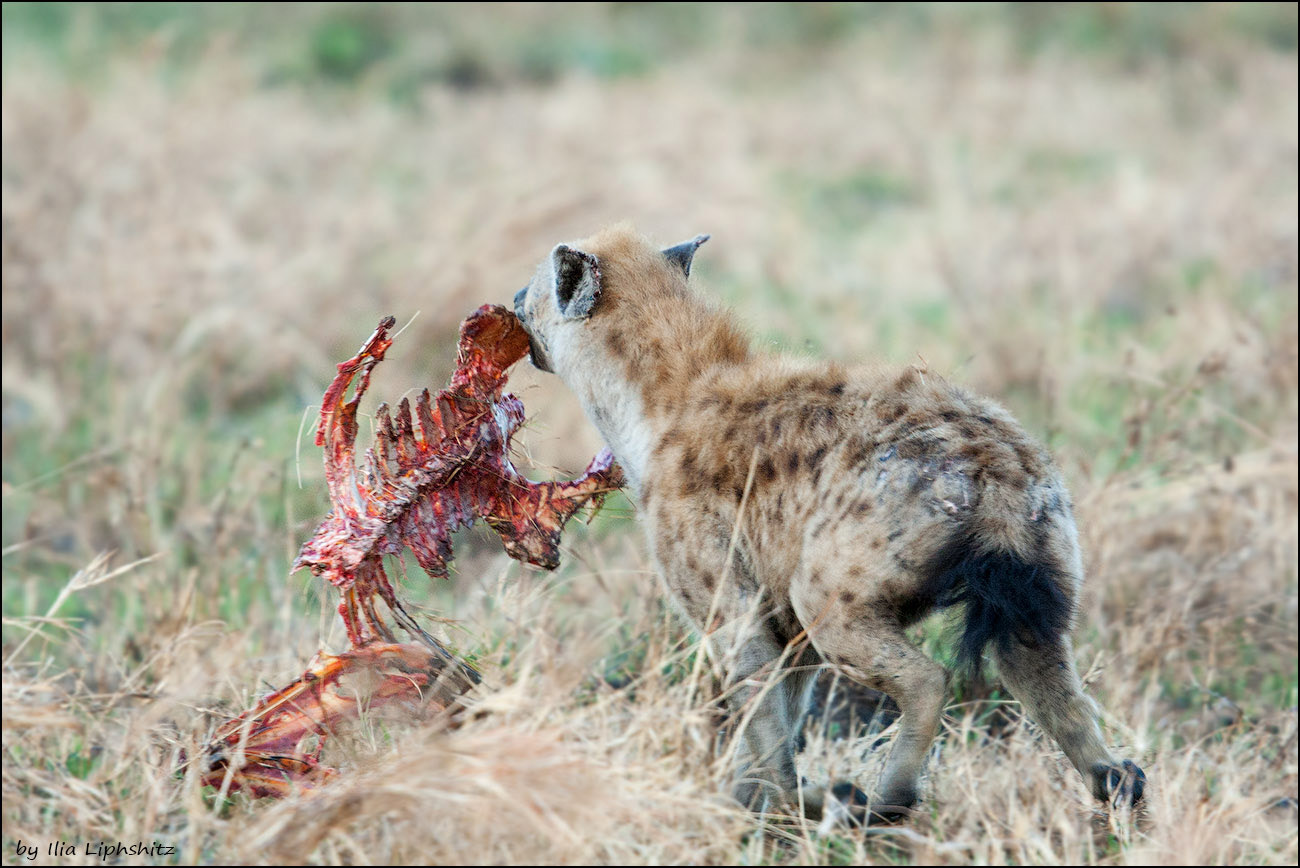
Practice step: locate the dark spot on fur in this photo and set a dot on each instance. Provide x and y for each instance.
(894, 534)
(837, 389)
(616, 343)
(848, 598)
(1000, 429)
(817, 455)
(767, 470)
(792, 463)
(967, 431)
(950, 415)
(707, 580)
(913, 449)
(863, 507)
(692, 484)
(827, 416)
(890, 413)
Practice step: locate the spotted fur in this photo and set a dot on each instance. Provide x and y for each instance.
(805, 513)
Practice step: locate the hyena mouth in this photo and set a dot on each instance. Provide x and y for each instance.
(538, 356)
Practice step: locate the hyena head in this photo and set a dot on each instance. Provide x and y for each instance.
(580, 286)
(612, 315)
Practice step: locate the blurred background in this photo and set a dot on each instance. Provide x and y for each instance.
(1087, 211)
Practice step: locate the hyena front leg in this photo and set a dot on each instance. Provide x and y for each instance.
(726, 607)
(1045, 682)
(800, 676)
(760, 701)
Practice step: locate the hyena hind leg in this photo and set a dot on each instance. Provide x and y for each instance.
(875, 651)
(1044, 680)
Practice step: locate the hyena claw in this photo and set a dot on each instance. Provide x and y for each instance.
(1120, 785)
(847, 805)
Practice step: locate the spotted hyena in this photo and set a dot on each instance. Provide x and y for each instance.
(805, 513)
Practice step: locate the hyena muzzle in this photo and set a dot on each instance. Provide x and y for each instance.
(805, 514)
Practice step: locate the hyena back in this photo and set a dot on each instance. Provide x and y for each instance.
(788, 501)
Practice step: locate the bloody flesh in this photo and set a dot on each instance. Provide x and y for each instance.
(432, 469)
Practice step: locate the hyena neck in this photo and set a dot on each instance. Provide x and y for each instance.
(617, 409)
(643, 377)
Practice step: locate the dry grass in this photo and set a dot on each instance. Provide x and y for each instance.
(1106, 242)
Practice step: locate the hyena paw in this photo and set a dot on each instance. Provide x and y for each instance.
(1120, 785)
(848, 805)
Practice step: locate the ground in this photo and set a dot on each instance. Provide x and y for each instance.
(1087, 212)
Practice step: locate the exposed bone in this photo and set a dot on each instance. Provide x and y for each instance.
(427, 474)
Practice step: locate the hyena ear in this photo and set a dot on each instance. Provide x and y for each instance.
(577, 282)
(683, 253)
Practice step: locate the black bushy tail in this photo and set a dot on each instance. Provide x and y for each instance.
(1007, 597)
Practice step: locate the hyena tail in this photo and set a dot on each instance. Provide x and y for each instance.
(1008, 597)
